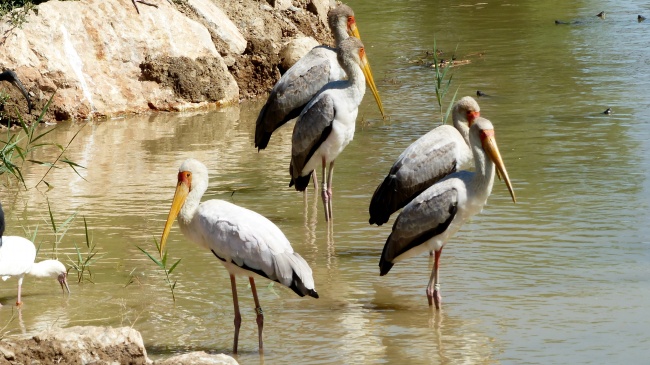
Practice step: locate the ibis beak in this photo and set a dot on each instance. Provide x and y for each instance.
(182, 189)
(365, 66)
(64, 283)
(490, 147)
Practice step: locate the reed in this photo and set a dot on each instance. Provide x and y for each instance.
(162, 265)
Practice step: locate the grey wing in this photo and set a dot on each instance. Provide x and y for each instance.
(290, 95)
(250, 241)
(422, 164)
(311, 130)
(424, 218)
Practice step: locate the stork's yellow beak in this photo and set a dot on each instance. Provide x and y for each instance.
(353, 31)
(182, 190)
(490, 147)
(365, 66)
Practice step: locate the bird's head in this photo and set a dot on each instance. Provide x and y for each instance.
(483, 130)
(342, 17)
(466, 110)
(192, 176)
(52, 268)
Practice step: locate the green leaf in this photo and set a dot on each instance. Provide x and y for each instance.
(173, 266)
(152, 258)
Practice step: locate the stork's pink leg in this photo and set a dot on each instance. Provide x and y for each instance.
(260, 314)
(330, 173)
(433, 289)
(20, 288)
(315, 179)
(323, 192)
(237, 314)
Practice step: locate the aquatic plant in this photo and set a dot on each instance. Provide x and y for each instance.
(83, 263)
(442, 83)
(162, 265)
(18, 146)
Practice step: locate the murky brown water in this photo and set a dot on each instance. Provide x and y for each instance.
(560, 277)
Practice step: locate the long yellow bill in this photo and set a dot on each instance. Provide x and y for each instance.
(182, 189)
(365, 66)
(490, 147)
(353, 31)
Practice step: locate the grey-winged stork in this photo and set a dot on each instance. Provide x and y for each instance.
(326, 125)
(11, 77)
(17, 255)
(306, 77)
(245, 242)
(440, 152)
(428, 221)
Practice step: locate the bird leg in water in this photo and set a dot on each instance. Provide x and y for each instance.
(260, 314)
(330, 173)
(237, 314)
(315, 179)
(433, 289)
(323, 192)
(20, 286)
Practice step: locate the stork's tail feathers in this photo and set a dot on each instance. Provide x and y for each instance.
(383, 204)
(301, 182)
(299, 287)
(384, 264)
(262, 136)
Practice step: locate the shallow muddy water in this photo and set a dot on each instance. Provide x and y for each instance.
(560, 277)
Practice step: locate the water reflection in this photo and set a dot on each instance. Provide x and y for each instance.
(560, 277)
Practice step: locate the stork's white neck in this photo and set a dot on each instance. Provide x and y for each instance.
(356, 80)
(340, 33)
(483, 178)
(199, 186)
(462, 127)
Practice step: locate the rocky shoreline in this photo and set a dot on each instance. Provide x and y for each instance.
(103, 58)
(94, 345)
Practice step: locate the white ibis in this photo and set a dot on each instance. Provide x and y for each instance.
(306, 77)
(442, 151)
(12, 77)
(429, 220)
(17, 255)
(245, 242)
(327, 123)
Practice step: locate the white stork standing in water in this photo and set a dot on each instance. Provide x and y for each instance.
(245, 242)
(428, 221)
(327, 123)
(306, 77)
(17, 255)
(442, 151)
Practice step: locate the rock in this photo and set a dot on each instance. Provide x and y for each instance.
(294, 50)
(219, 25)
(90, 52)
(80, 345)
(320, 8)
(198, 358)
(94, 345)
(280, 4)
